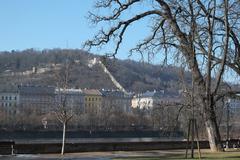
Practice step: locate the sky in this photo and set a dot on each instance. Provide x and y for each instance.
(46, 24)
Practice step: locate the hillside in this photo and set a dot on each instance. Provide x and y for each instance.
(41, 67)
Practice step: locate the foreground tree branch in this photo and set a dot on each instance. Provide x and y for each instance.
(203, 34)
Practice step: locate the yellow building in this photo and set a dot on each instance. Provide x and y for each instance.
(92, 100)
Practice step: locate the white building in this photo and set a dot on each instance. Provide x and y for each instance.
(152, 99)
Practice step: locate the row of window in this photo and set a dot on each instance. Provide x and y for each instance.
(10, 112)
(9, 98)
(8, 104)
(92, 105)
(36, 99)
(92, 99)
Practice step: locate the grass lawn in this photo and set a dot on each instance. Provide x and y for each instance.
(228, 155)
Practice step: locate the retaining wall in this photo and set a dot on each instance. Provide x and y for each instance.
(111, 146)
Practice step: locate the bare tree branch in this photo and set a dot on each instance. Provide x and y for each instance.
(226, 45)
(117, 12)
(104, 37)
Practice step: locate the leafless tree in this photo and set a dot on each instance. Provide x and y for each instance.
(202, 34)
(62, 110)
(105, 115)
(92, 117)
(166, 116)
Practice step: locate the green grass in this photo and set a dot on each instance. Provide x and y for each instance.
(229, 155)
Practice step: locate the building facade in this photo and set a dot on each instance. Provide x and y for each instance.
(9, 105)
(38, 98)
(92, 100)
(116, 99)
(146, 100)
(151, 99)
(234, 105)
(74, 99)
(9, 99)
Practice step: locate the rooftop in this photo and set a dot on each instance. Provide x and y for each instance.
(29, 89)
(112, 93)
(92, 92)
(69, 91)
(152, 94)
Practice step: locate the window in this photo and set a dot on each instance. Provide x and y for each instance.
(6, 98)
(15, 97)
(2, 97)
(10, 98)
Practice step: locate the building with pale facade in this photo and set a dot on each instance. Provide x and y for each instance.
(146, 100)
(9, 105)
(151, 99)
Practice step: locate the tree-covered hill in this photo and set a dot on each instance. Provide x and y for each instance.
(41, 67)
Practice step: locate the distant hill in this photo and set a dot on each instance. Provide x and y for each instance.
(41, 67)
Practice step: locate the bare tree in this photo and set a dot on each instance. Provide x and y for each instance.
(62, 109)
(202, 34)
(92, 116)
(165, 116)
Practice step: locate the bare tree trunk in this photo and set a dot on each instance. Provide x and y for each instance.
(212, 129)
(211, 125)
(213, 136)
(208, 111)
(63, 140)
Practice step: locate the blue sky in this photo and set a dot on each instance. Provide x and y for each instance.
(43, 23)
(50, 24)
